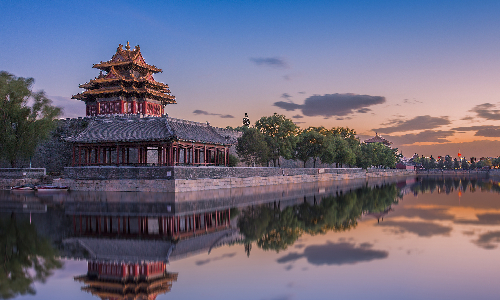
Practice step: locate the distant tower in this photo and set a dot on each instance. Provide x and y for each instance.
(125, 85)
(246, 120)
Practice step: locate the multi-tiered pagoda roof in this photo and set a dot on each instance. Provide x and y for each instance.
(125, 85)
(378, 139)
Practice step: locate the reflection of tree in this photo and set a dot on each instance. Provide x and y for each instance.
(275, 229)
(26, 258)
(450, 184)
(283, 230)
(270, 227)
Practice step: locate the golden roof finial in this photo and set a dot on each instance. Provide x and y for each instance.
(128, 46)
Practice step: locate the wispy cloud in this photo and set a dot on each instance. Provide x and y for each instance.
(204, 112)
(286, 96)
(336, 254)
(273, 62)
(422, 229)
(487, 111)
(332, 104)
(484, 130)
(363, 110)
(432, 136)
(417, 123)
(489, 240)
(412, 101)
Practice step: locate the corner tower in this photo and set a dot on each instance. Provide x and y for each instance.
(125, 85)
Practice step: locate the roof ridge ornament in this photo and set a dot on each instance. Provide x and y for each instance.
(128, 46)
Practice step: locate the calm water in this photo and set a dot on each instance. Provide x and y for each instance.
(423, 238)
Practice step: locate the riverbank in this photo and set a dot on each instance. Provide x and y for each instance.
(189, 179)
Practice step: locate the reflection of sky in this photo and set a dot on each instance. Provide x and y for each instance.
(434, 246)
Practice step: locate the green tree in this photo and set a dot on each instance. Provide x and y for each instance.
(280, 134)
(22, 127)
(26, 258)
(365, 158)
(309, 145)
(432, 163)
(472, 163)
(349, 135)
(465, 164)
(448, 162)
(252, 147)
(232, 160)
(440, 164)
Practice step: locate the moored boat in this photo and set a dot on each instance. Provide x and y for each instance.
(22, 188)
(50, 188)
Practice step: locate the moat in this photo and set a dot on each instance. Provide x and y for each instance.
(406, 237)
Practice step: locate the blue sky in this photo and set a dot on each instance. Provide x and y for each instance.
(434, 63)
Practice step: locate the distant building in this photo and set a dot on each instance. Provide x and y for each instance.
(378, 139)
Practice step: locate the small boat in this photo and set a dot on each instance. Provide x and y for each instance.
(50, 188)
(22, 188)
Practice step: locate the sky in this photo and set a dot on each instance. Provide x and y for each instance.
(422, 74)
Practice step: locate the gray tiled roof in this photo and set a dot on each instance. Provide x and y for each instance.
(137, 129)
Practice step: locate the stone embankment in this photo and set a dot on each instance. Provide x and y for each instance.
(434, 172)
(188, 179)
(21, 176)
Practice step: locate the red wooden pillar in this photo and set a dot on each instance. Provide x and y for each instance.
(98, 153)
(74, 155)
(205, 155)
(117, 154)
(80, 224)
(139, 224)
(178, 225)
(160, 155)
(194, 223)
(79, 156)
(177, 153)
(192, 154)
(128, 225)
(118, 229)
(216, 219)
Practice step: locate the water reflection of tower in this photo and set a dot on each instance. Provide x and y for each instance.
(132, 280)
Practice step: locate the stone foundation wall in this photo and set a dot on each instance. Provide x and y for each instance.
(122, 172)
(18, 173)
(10, 177)
(117, 185)
(186, 179)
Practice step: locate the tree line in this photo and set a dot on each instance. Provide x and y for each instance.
(448, 163)
(273, 228)
(275, 137)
